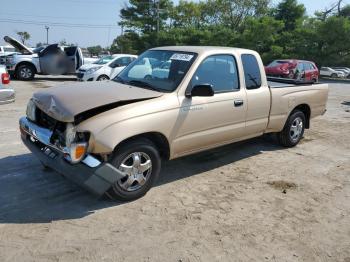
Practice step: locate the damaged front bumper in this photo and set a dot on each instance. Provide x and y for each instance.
(90, 173)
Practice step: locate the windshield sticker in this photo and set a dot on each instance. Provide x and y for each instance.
(182, 57)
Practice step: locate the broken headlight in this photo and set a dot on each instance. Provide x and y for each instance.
(30, 112)
(76, 144)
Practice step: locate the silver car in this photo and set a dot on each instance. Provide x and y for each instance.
(7, 94)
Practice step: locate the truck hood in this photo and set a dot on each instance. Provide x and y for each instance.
(20, 47)
(79, 101)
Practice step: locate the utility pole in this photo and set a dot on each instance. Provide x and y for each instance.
(158, 16)
(47, 34)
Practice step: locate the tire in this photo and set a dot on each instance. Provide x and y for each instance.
(129, 188)
(291, 75)
(293, 130)
(25, 72)
(102, 78)
(334, 75)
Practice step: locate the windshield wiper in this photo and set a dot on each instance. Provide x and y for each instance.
(140, 83)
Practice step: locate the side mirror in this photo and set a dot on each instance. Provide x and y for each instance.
(201, 90)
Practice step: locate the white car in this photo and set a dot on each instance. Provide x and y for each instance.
(327, 71)
(7, 94)
(106, 68)
(7, 50)
(346, 70)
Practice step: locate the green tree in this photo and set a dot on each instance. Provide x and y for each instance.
(23, 36)
(291, 13)
(142, 15)
(94, 50)
(232, 13)
(262, 35)
(345, 11)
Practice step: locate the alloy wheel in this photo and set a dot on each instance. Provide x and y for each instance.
(137, 168)
(296, 129)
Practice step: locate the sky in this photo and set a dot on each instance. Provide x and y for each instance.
(100, 18)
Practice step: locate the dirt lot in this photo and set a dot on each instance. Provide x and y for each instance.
(252, 201)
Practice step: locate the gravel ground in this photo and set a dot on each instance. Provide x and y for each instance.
(252, 201)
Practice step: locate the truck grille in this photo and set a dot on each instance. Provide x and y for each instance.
(45, 120)
(58, 128)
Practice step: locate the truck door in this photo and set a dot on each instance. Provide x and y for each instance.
(52, 60)
(258, 95)
(72, 59)
(205, 122)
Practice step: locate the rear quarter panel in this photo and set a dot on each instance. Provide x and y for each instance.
(285, 99)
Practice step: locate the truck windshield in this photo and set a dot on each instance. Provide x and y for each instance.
(160, 70)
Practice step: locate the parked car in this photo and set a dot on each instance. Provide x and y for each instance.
(293, 69)
(111, 138)
(49, 60)
(7, 50)
(105, 68)
(327, 71)
(7, 94)
(345, 70)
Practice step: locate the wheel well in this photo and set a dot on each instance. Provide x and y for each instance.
(26, 63)
(307, 112)
(103, 75)
(159, 140)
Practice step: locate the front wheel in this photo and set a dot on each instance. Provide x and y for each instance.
(293, 130)
(103, 78)
(140, 161)
(334, 75)
(25, 72)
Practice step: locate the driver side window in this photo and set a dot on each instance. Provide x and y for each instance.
(220, 71)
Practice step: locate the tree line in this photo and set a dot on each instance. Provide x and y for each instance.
(276, 32)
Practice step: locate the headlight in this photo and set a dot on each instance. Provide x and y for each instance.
(94, 69)
(31, 107)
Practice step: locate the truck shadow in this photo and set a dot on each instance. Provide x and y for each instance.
(31, 195)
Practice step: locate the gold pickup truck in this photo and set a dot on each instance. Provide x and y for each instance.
(111, 137)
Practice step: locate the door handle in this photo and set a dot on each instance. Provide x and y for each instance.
(238, 103)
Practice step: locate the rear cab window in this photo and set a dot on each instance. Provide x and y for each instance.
(252, 72)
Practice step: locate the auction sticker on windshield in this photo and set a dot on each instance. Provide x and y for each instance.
(183, 57)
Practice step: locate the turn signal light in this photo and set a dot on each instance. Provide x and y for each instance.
(77, 152)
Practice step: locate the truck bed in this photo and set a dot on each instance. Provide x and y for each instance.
(276, 82)
(284, 100)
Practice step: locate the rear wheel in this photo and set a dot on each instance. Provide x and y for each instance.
(291, 75)
(293, 130)
(25, 72)
(139, 160)
(103, 78)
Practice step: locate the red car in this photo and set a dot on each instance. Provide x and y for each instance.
(293, 69)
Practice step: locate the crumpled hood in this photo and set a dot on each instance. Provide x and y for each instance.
(65, 102)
